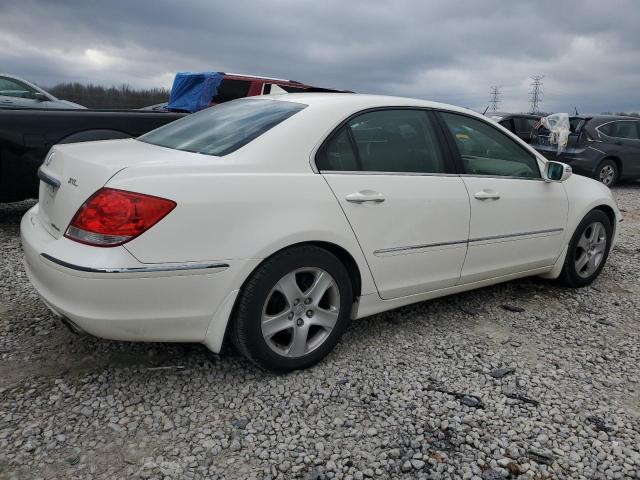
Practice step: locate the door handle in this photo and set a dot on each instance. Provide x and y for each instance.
(487, 195)
(365, 196)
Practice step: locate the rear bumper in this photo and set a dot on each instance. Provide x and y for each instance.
(119, 298)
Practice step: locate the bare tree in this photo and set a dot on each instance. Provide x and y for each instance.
(97, 96)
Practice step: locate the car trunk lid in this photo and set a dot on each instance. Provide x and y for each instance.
(71, 173)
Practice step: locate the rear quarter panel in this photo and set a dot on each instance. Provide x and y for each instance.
(233, 216)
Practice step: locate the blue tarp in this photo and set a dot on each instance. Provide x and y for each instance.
(193, 91)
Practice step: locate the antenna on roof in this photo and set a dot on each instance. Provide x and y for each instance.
(576, 110)
(485, 110)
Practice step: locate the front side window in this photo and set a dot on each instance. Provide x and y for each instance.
(385, 141)
(224, 128)
(487, 151)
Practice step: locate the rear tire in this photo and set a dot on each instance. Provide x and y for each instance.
(293, 309)
(607, 172)
(588, 250)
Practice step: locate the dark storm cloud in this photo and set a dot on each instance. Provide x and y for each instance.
(450, 51)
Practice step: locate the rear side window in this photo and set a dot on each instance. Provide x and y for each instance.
(385, 141)
(224, 128)
(338, 154)
(487, 151)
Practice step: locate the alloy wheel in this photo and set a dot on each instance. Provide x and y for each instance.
(300, 312)
(590, 249)
(607, 175)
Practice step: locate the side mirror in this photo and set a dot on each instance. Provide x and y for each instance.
(556, 171)
(41, 97)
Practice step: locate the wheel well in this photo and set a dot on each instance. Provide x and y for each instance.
(608, 211)
(615, 160)
(343, 255)
(348, 262)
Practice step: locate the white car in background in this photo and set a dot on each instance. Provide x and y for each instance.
(277, 220)
(16, 92)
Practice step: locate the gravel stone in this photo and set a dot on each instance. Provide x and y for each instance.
(397, 398)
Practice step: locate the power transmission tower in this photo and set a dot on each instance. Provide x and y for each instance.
(494, 98)
(536, 93)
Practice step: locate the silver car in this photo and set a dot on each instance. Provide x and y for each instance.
(18, 93)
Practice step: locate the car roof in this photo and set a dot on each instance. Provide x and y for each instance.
(362, 101)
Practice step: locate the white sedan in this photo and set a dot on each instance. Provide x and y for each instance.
(275, 221)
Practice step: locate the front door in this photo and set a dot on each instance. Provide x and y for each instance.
(407, 207)
(517, 219)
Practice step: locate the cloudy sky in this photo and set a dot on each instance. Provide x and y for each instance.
(450, 51)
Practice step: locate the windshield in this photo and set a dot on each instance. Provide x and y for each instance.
(224, 128)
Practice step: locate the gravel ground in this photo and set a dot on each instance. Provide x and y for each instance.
(521, 380)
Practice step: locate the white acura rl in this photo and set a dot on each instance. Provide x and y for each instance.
(275, 221)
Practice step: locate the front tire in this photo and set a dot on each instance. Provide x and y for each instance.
(293, 309)
(588, 250)
(607, 172)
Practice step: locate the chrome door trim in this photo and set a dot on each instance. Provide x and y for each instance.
(417, 247)
(152, 268)
(513, 235)
(458, 242)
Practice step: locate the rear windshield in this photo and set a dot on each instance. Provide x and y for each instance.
(224, 128)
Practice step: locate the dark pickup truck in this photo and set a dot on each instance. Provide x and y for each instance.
(26, 135)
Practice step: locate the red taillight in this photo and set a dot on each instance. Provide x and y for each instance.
(112, 217)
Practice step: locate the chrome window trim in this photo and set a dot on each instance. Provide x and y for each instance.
(146, 269)
(367, 172)
(471, 240)
(508, 177)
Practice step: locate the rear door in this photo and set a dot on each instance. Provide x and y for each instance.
(517, 219)
(397, 187)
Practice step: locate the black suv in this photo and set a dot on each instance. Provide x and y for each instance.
(603, 147)
(522, 124)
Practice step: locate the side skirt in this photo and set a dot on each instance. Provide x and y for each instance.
(372, 304)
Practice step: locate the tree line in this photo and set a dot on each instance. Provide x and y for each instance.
(97, 96)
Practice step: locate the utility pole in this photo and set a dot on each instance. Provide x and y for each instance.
(536, 93)
(494, 98)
